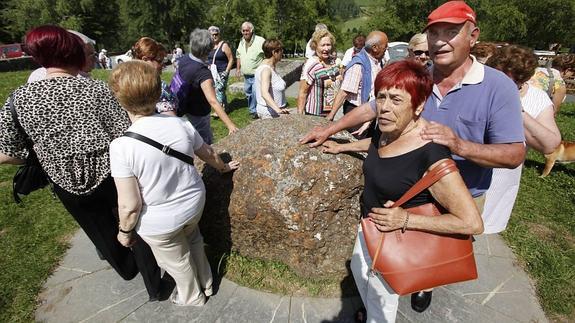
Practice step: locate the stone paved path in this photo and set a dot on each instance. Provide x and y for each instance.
(86, 289)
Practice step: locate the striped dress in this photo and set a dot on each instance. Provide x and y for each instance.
(324, 82)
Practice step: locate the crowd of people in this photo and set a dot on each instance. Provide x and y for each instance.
(121, 155)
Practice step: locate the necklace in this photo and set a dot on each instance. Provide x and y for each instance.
(383, 141)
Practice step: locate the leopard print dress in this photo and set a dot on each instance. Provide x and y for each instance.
(71, 122)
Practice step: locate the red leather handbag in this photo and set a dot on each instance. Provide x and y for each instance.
(415, 260)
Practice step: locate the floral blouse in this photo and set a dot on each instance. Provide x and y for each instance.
(541, 79)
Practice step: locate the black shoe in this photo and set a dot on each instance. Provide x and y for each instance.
(420, 301)
(254, 116)
(155, 298)
(360, 316)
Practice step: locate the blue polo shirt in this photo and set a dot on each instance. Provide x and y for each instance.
(483, 108)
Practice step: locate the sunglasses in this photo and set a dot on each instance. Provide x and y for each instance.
(420, 52)
(216, 34)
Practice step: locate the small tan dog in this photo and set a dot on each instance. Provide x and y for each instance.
(564, 153)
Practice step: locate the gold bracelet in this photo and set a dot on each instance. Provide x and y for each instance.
(405, 223)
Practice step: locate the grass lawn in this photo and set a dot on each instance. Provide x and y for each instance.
(34, 236)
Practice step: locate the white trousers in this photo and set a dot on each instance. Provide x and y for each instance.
(380, 301)
(181, 253)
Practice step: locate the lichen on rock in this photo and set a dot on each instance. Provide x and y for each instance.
(287, 202)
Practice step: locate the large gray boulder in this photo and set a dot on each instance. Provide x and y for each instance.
(287, 202)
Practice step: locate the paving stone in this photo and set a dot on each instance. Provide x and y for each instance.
(85, 298)
(247, 305)
(447, 306)
(85, 289)
(308, 309)
(165, 311)
(480, 245)
(498, 247)
(492, 272)
(83, 255)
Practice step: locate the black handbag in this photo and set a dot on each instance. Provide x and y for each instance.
(30, 176)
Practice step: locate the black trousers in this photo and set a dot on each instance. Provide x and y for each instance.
(96, 214)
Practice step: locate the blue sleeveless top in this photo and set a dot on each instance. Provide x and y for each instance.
(221, 58)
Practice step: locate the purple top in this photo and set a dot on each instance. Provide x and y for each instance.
(484, 108)
(194, 72)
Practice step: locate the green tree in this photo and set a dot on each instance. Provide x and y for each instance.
(167, 21)
(292, 21)
(502, 21)
(21, 15)
(548, 22)
(96, 19)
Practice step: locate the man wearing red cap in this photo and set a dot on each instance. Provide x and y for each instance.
(474, 110)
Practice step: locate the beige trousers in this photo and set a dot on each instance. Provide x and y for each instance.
(181, 253)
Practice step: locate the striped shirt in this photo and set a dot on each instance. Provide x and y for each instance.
(352, 81)
(324, 83)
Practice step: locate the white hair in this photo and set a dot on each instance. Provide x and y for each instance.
(417, 39)
(201, 43)
(370, 41)
(320, 26)
(249, 25)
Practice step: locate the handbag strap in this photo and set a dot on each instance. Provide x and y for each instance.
(164, 148)
(445, 167)
(27, 140)
(551, 81)
(216, 53)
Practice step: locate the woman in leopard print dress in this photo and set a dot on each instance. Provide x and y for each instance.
(71, 122)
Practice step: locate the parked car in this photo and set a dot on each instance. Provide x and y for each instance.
(119, 59)
(11, 51)
(396, 51)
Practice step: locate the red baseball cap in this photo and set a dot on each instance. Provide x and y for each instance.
(453, 12)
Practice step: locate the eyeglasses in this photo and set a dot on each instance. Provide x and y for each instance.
(216, 34)
(420, 52)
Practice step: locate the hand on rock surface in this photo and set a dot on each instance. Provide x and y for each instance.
(233, 165)
(318, 135)
(330, 147)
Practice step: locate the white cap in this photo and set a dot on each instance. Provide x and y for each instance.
(104, 51)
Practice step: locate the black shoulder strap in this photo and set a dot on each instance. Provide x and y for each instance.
(165, 149)
(27, 139)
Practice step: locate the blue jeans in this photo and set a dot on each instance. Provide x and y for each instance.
(250, 94)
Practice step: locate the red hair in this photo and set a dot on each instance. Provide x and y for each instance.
(53, 46)
(407, 75)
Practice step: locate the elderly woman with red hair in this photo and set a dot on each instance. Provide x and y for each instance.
(71, 121)
(397, 157)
